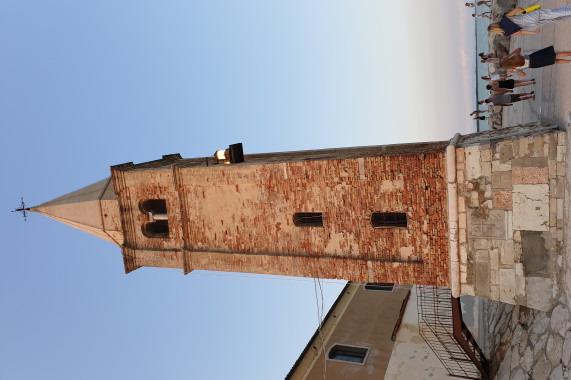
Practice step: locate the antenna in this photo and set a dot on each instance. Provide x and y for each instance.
(22, 209)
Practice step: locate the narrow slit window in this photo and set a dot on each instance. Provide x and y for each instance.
(389, 219)
(352, 354)
(308, 219)
(380, 286)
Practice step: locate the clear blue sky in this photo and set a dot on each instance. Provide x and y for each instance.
(89, 84)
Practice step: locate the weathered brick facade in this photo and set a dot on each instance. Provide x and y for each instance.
(239, 217)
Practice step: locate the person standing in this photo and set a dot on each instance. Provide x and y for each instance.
(540, 58)
(487, 15)
(487, 3)
(509, 84)
(507, 100)
(517, 23)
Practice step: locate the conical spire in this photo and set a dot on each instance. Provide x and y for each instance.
(93, 209)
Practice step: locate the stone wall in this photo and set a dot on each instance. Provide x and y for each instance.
(510, 204)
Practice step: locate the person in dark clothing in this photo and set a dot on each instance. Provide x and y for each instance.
(509, 84)
(507, 100)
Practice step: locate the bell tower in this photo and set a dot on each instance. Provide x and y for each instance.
(481, 213)
(366, 213)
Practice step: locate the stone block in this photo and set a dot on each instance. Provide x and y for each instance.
(485, 155)
(460, 155)
(523, 148)
(538, 292)
(488, 191)
(481, 243)
(481, 256)
(530, 175)
(520, 290)
(473, 167)
(554, 348)
(482, 280)
(531, 207)
(494, 226)
(518, 269)
(506, 153)
(552, 205)
(560, 214)
(463, 254)
(506, 180)
(504, 167)
(495, 259)
(559, 188)
(561, 152)
(539, 162)
(462, 236)
(507, 285)
(460, 176)
(541, 369)
(508, 253)
(461, 204)
(486, 169)
(503, 200)
(559, 320)
(495, 292)
(534, 254)
(552, 167)
(467, 289)
(496, 180)
(562, 138)
(517, 236)
(561, 168)
(538, 145)
(462, 220)
(474, 199)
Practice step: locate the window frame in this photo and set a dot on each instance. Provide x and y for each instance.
(155, 229)
(308, 219)
(366, 350)
(380, 285)
(376, 223)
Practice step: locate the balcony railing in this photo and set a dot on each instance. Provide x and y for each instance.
(441, 326)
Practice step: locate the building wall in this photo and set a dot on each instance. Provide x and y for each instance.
(239, 217)
(411, 357)
(367, 320)
(511, 194)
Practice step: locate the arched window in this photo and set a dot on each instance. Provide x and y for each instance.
(308, 219)
(157, 225)
(158, 229)
(156, 206)
(389, 219)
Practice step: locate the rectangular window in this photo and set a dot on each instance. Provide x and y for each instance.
(352, 354)
(380, 286)
(308, 219)
(389, 219)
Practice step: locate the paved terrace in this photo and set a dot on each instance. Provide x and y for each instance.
(526, 343)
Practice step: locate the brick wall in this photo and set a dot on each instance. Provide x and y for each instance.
(239, 217)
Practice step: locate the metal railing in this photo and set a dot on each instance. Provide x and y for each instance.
(441, 326)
